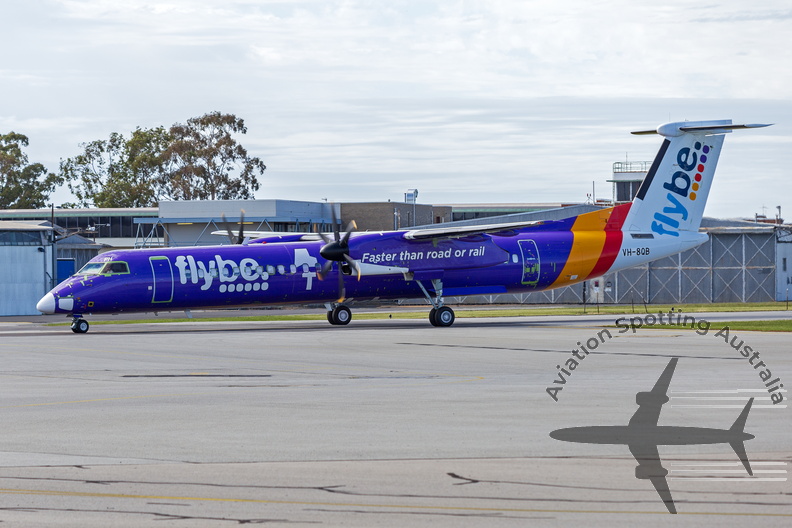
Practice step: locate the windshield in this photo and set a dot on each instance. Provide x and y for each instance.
(104, 268)
(92, 268)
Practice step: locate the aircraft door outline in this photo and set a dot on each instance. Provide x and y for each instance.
(162, 280)
(531, 264)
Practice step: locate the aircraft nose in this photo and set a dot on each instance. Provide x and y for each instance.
(46, 304)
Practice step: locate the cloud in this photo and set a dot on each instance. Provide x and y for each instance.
(469, 101)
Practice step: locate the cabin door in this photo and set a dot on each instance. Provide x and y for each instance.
(162, 285)
(530, 260)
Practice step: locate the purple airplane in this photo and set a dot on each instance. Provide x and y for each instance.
(450, 260)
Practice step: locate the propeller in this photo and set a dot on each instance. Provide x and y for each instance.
(235, 239)
(336, 249)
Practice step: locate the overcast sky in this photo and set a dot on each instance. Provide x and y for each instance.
(470, 101)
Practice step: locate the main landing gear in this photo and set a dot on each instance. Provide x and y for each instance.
(443, 316)
(338, 314)
(79, 325)
(439, 315)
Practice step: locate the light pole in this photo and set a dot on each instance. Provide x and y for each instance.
(412, 196)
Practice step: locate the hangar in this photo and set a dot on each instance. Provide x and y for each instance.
(741, 262)
(31, 267)
(27, 258)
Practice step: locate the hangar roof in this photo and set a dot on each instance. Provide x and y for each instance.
(23, 226)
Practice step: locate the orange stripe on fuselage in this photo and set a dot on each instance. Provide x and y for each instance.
(588, 241)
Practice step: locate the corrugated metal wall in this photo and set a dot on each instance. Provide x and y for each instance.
(24, 279)
(729, 267)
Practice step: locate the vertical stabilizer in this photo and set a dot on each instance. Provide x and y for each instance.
(670, 202)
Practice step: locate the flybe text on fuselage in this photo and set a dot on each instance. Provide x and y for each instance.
(682, 189)
(223, 269)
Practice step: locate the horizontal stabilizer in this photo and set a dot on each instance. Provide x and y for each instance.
(677, 129)
(670, 202)
(739, 446)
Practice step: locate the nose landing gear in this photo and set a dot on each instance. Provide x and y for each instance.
(79, 325)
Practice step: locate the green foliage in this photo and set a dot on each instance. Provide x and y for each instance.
(22, 185)
(118, 172)
(207, 163)
(199, 160)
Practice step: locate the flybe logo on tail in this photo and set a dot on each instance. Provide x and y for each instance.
(682, 189)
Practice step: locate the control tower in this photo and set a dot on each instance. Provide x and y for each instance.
(627, 178)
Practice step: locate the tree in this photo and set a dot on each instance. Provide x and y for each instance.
(206, 162)
(119, 172)
(22, 185)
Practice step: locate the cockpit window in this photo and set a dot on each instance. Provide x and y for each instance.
(104, 268)
(92, 268)
(116, 268)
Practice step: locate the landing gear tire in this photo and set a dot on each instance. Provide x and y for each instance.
(443, 316)
(340, 315)
(80, 326)
(433, 316)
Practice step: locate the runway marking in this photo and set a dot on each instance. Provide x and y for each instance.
(738, 471)
(466, 379)
(726, 463)
(731, 406)
(102, 399)
(730, 479)
(358, 505)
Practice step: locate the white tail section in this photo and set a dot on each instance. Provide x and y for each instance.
(671, 199)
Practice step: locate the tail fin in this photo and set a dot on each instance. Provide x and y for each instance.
(737, 445)
(671, 198)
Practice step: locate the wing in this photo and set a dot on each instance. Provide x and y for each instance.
(267, 234)
(651, 403)
(650, 468)
(507, 229)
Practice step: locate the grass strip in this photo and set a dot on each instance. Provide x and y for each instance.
(784, 325)
(465, 312)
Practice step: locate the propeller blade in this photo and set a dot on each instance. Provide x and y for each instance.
(326, 238)
(241, 237)
(322, 273)
(336, 234)
(350, 227)
(228, 229)
(341, 288)
(353, 264)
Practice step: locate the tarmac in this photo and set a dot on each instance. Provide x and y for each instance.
(380, 423)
